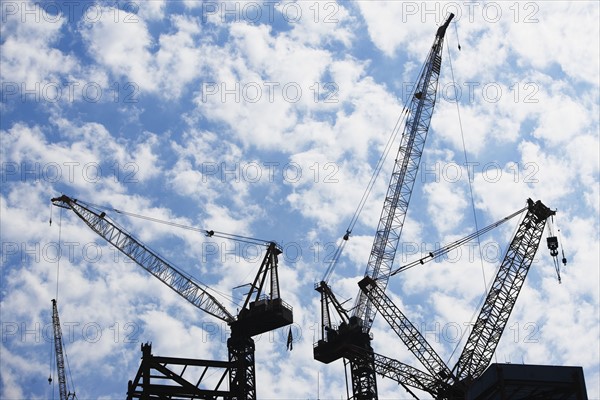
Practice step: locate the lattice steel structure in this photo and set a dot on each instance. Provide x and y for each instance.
(488, 328)
(260, 313)
(355, 332)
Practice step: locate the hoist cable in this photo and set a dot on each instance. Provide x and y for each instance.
(457, 243)
(457, 39)
(485, 285)
(59, 256)
(52, 361)
(462, 135)
(482, 299)
(223, 235)
(378, 167)
(69, 369)
(182, 272)
(562, 249)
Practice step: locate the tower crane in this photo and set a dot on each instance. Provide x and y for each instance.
(355, 332)
(493, 317)
(60, 361)
(261, 312)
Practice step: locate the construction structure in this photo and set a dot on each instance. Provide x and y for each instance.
(440, 381)
(353, 334)
(351, 338)
(263, 311)
(63, 393)
(471, 378)
(543, 382)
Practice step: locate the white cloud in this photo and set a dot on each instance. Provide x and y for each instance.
(545, 149)
(14, 366)
(547, 173)
(560, 117)
(154, 10)
(130, 58)
(166, 71)
(29, 57)
(558, 40)
(390, 25)
(446, 204)
(89, 156)
(475, 122)
(321, 23)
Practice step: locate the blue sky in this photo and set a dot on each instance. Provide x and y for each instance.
(266, 119)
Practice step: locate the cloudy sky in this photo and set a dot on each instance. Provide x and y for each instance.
(266, 119)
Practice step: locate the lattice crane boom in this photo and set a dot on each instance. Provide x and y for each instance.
(146, 258)
(407, 375)
(505, 289)
(58, 350)
(403, 177)
(402, 373)
(406, 331)
(338, 342)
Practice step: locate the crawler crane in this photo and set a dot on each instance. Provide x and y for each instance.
(440, 381)
(354, 332)
(260, 313)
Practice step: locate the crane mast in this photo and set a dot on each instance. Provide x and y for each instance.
(338, 343)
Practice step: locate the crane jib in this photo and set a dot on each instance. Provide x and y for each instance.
(404, 174)
(502, 296)
(147, 259)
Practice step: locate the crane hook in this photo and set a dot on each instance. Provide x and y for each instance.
(553, 245)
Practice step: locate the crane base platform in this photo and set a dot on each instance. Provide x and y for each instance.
(346, 342)
(262, 316)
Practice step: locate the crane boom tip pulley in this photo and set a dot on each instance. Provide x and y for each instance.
(442, 29)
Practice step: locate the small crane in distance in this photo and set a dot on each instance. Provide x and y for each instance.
(60, 360)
